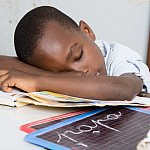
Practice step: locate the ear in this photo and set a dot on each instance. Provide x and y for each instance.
(84, 27)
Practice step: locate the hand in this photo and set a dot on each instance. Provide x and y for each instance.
(19, 79)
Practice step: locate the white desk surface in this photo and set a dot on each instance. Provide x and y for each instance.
(11, 137)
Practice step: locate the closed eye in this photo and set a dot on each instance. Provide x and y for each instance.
(79, 57)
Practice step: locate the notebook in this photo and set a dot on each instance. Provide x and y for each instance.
(102, 128)
(51, 99)
(7, 99)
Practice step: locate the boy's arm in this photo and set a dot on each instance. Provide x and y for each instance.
(13, 63)
(9, 62)
(124, 87)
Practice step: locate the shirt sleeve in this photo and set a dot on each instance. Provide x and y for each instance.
(125, 60)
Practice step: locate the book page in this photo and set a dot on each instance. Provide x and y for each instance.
(46, 98)
(6, 99)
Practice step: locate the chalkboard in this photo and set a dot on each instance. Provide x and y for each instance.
(39, 124)
(115, 128)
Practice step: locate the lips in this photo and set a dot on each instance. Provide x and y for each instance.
(98, 73)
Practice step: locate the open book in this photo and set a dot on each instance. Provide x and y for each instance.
(46, 98)
(7, 99)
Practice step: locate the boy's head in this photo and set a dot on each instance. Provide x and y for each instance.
(47, 38)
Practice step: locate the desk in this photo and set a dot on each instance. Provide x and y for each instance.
(12, 118)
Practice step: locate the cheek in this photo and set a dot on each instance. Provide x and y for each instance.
(93, 57)
(97, 61)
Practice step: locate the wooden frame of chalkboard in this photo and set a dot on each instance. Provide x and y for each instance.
(36, 125)
(103, 128)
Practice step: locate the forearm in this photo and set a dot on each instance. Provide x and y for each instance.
(13, 63)
(94, 87)
(9, 63)
(124, 87)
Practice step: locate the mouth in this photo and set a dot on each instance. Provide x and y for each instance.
(97, 74)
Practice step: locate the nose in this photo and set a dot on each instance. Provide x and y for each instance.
(83, 69)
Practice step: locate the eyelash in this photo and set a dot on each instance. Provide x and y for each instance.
(78, 58)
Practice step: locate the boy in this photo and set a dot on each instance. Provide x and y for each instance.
(75, 64)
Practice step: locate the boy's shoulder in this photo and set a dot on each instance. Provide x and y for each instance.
(117, 50)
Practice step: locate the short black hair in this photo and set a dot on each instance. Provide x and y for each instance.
(31, 27)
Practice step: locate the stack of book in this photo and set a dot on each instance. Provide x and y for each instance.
(51, 99)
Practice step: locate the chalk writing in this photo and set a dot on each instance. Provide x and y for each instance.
(88, 128)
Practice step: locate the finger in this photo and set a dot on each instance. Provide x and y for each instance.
(2, 72)
(3, 77)
(7, 85)
(7, 89)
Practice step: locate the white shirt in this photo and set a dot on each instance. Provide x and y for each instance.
(120, 59)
